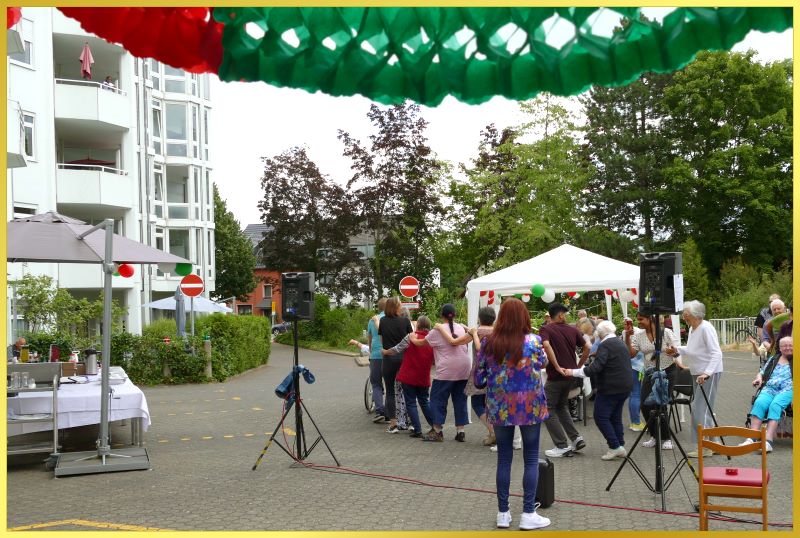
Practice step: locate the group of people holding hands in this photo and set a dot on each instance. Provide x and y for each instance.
(520, 380)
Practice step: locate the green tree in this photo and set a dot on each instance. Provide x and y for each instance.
(695, 274)
(730, 120)
(234, 257)
(34, 299)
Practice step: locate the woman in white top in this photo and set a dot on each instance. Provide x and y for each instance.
(704, 357)
(643, 341)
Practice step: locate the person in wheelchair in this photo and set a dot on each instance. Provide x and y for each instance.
(774, 395)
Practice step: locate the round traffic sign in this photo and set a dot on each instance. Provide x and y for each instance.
(409, 286)
(192, 285)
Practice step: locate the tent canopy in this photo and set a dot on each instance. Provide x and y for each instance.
(565, 268)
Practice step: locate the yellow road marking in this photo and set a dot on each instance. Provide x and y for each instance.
(163, 440)
(249, 434)
(256, 409)
(288, 431)
(86, 523)
(171, 414)
(186, 438)
(235, 398)
(189, 413)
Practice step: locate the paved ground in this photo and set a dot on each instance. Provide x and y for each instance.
(205, 438)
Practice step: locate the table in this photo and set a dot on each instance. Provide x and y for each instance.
(79, 405)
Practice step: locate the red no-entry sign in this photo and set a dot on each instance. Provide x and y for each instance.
(409, 286)
(192, 285)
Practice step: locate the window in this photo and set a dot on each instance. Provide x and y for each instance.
(158, 189)
(205, 131)
(159, 246)
(158, 131)
(155, 74)
(24, 210)
(179, 243)
(268, 291)
(198, 252)
(29, 127)
(244, 309)
(206, 86)
(25, 27)
(193, 83)
(210, 248)
(176, 129)
(195, 130)
(178, 193)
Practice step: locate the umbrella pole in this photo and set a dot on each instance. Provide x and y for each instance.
(103, 446)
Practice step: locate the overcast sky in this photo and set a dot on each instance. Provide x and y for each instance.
(252, 120)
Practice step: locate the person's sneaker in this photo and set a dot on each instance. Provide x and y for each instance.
(707, 453)
(746, 442)
(403, 428)
(493, 448)
(667, 445)
(636, 427)
(392, 429)
(769, 447)
(612, 453)
(650, 443)
(578, 444)
(558, 452)
(530, 521)
(489, 440)
(461, 437)
(416, 435)
(377, 419)
(517, 444)
(503, 520)
(434, 436)
(410, 428)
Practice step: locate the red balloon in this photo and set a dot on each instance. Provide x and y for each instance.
(571, 294)
(491, 294)
(483, 293)
(634, 304)
(490, 301)
(125, 270)
(13, 15)
(634, 291)
(609, 292)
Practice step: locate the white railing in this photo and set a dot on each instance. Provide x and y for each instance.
(73, 82)
(727, 328)
(93, 167)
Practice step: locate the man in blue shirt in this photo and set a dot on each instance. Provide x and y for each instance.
(376, 362)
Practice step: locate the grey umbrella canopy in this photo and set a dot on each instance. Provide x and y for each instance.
(51, 237)
(180, 313)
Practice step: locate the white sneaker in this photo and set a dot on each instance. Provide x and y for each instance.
(517, 444)
(618, 452)
(558, 452)
(532, 521)
(650, 443)
(503, 520)
(769, 447)
(746, 442)
(493, 448)
(667, 445)
(577, 444)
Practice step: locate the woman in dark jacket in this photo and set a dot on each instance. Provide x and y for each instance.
(392, 328)
(612, 369)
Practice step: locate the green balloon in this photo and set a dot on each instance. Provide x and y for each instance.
(183, 269)
(537, 290)
(116, 273)
(518, 295)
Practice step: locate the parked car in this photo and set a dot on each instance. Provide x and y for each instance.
(279, 328)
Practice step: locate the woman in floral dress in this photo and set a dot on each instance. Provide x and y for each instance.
(510, 365)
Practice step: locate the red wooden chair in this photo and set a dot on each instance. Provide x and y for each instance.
(736, 482)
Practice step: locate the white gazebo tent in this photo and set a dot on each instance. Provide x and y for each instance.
(565, 268)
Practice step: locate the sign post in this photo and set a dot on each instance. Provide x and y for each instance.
(192, 286)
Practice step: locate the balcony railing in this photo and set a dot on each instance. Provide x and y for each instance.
(93, 167)
(90, 83)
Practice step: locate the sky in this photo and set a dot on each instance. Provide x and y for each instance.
(251, 120)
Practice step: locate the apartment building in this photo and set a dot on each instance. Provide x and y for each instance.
(137, 152)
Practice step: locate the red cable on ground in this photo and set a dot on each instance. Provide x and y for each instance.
(414, 481)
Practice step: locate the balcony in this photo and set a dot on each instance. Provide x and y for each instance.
(79, 184)
(92, 105)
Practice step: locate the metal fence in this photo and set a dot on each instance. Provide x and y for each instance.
(727, 329)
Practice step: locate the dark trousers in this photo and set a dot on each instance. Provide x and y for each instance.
(376, 380)
(530, 457)
(413, 395)
(608, 417)
(647, 388)
(559, 425)
(441, 390)
(391, 365)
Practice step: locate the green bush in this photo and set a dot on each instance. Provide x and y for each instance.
(40, 341)
(332, 327)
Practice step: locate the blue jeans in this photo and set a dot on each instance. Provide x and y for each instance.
(635, 399)
(530, 456)
(608, 417)
(478, 402)
(413, 395)
(376, 380)
(442, 390)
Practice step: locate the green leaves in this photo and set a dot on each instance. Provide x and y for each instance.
(235, 260)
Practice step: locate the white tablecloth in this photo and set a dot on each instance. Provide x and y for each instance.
(79, 405)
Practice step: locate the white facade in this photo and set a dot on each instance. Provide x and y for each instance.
(137, 152)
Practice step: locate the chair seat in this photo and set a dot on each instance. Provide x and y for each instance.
(746, 477)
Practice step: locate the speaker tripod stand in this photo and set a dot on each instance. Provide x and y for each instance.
(301, 447)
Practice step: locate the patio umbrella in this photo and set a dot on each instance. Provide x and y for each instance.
(51, 237)
(201, 304)
(86, 60)
(180, 312)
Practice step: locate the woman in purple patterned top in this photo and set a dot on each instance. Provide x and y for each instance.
(510, 364)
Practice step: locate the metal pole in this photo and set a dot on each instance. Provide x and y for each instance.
(192, 307)
(103, 447)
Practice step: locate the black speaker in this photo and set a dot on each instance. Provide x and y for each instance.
(657, 279)
(297, 294)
